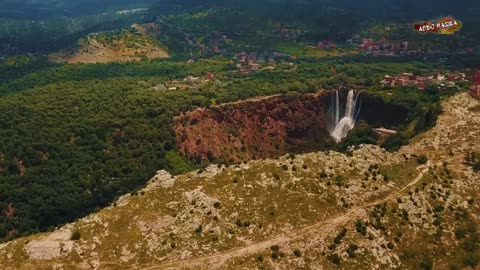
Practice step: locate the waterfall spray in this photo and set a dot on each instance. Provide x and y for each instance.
(347, 123)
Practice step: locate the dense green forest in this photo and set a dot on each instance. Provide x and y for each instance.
(71, 146)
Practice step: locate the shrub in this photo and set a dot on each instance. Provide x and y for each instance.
(422, 159)
(471, 244)
(393, 143)
(351, 250)
(472, 260)
(275, 248)
(460, 233)
(426, 264)
(476, 167)
(297, 253)
(361, 227)
(238, 222)
(334, 258)
(339, 180)
(217, 205)
(275, 255)
(337, 240)
(75, 235)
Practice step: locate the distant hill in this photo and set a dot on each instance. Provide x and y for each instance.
(120, 46)
(57, 8)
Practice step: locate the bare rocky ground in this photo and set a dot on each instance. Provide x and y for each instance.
(119, 50)
(368, 210)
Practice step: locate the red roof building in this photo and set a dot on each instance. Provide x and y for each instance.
(326, 44)
(209, 76)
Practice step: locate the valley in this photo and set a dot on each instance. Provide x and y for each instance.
(272, 126)
(228, 217)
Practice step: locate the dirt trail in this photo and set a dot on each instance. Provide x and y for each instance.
(319, 228)
(451, 115)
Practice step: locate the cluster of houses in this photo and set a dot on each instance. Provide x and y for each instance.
(409, 79)
(475, 89)
(286, 32)
(215, 44)
(248, 62)
(383, 47)
(327, 44)
(253, 62)
(186, 83)
(370, 46)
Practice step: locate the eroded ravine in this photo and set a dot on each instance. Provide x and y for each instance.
(273, 126)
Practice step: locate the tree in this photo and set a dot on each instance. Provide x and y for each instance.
(334, 258)
(75, 235)
(426, 263)
(422, 159)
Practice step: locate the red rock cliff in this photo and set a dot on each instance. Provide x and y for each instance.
(475, 89)
(252, 129)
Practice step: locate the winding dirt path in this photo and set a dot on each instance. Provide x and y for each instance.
(213, 260)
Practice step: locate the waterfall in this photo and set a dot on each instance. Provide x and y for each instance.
(337, 106)
(341, 127)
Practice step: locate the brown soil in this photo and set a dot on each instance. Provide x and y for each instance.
(253, 129)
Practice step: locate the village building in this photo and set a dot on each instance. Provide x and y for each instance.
(383, 47)
(409, 79)
(326, 45)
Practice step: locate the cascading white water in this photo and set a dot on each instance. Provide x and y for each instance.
(347, 123)
(337, 106)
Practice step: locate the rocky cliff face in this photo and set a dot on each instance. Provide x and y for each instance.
(475, 89)
(257, 128)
